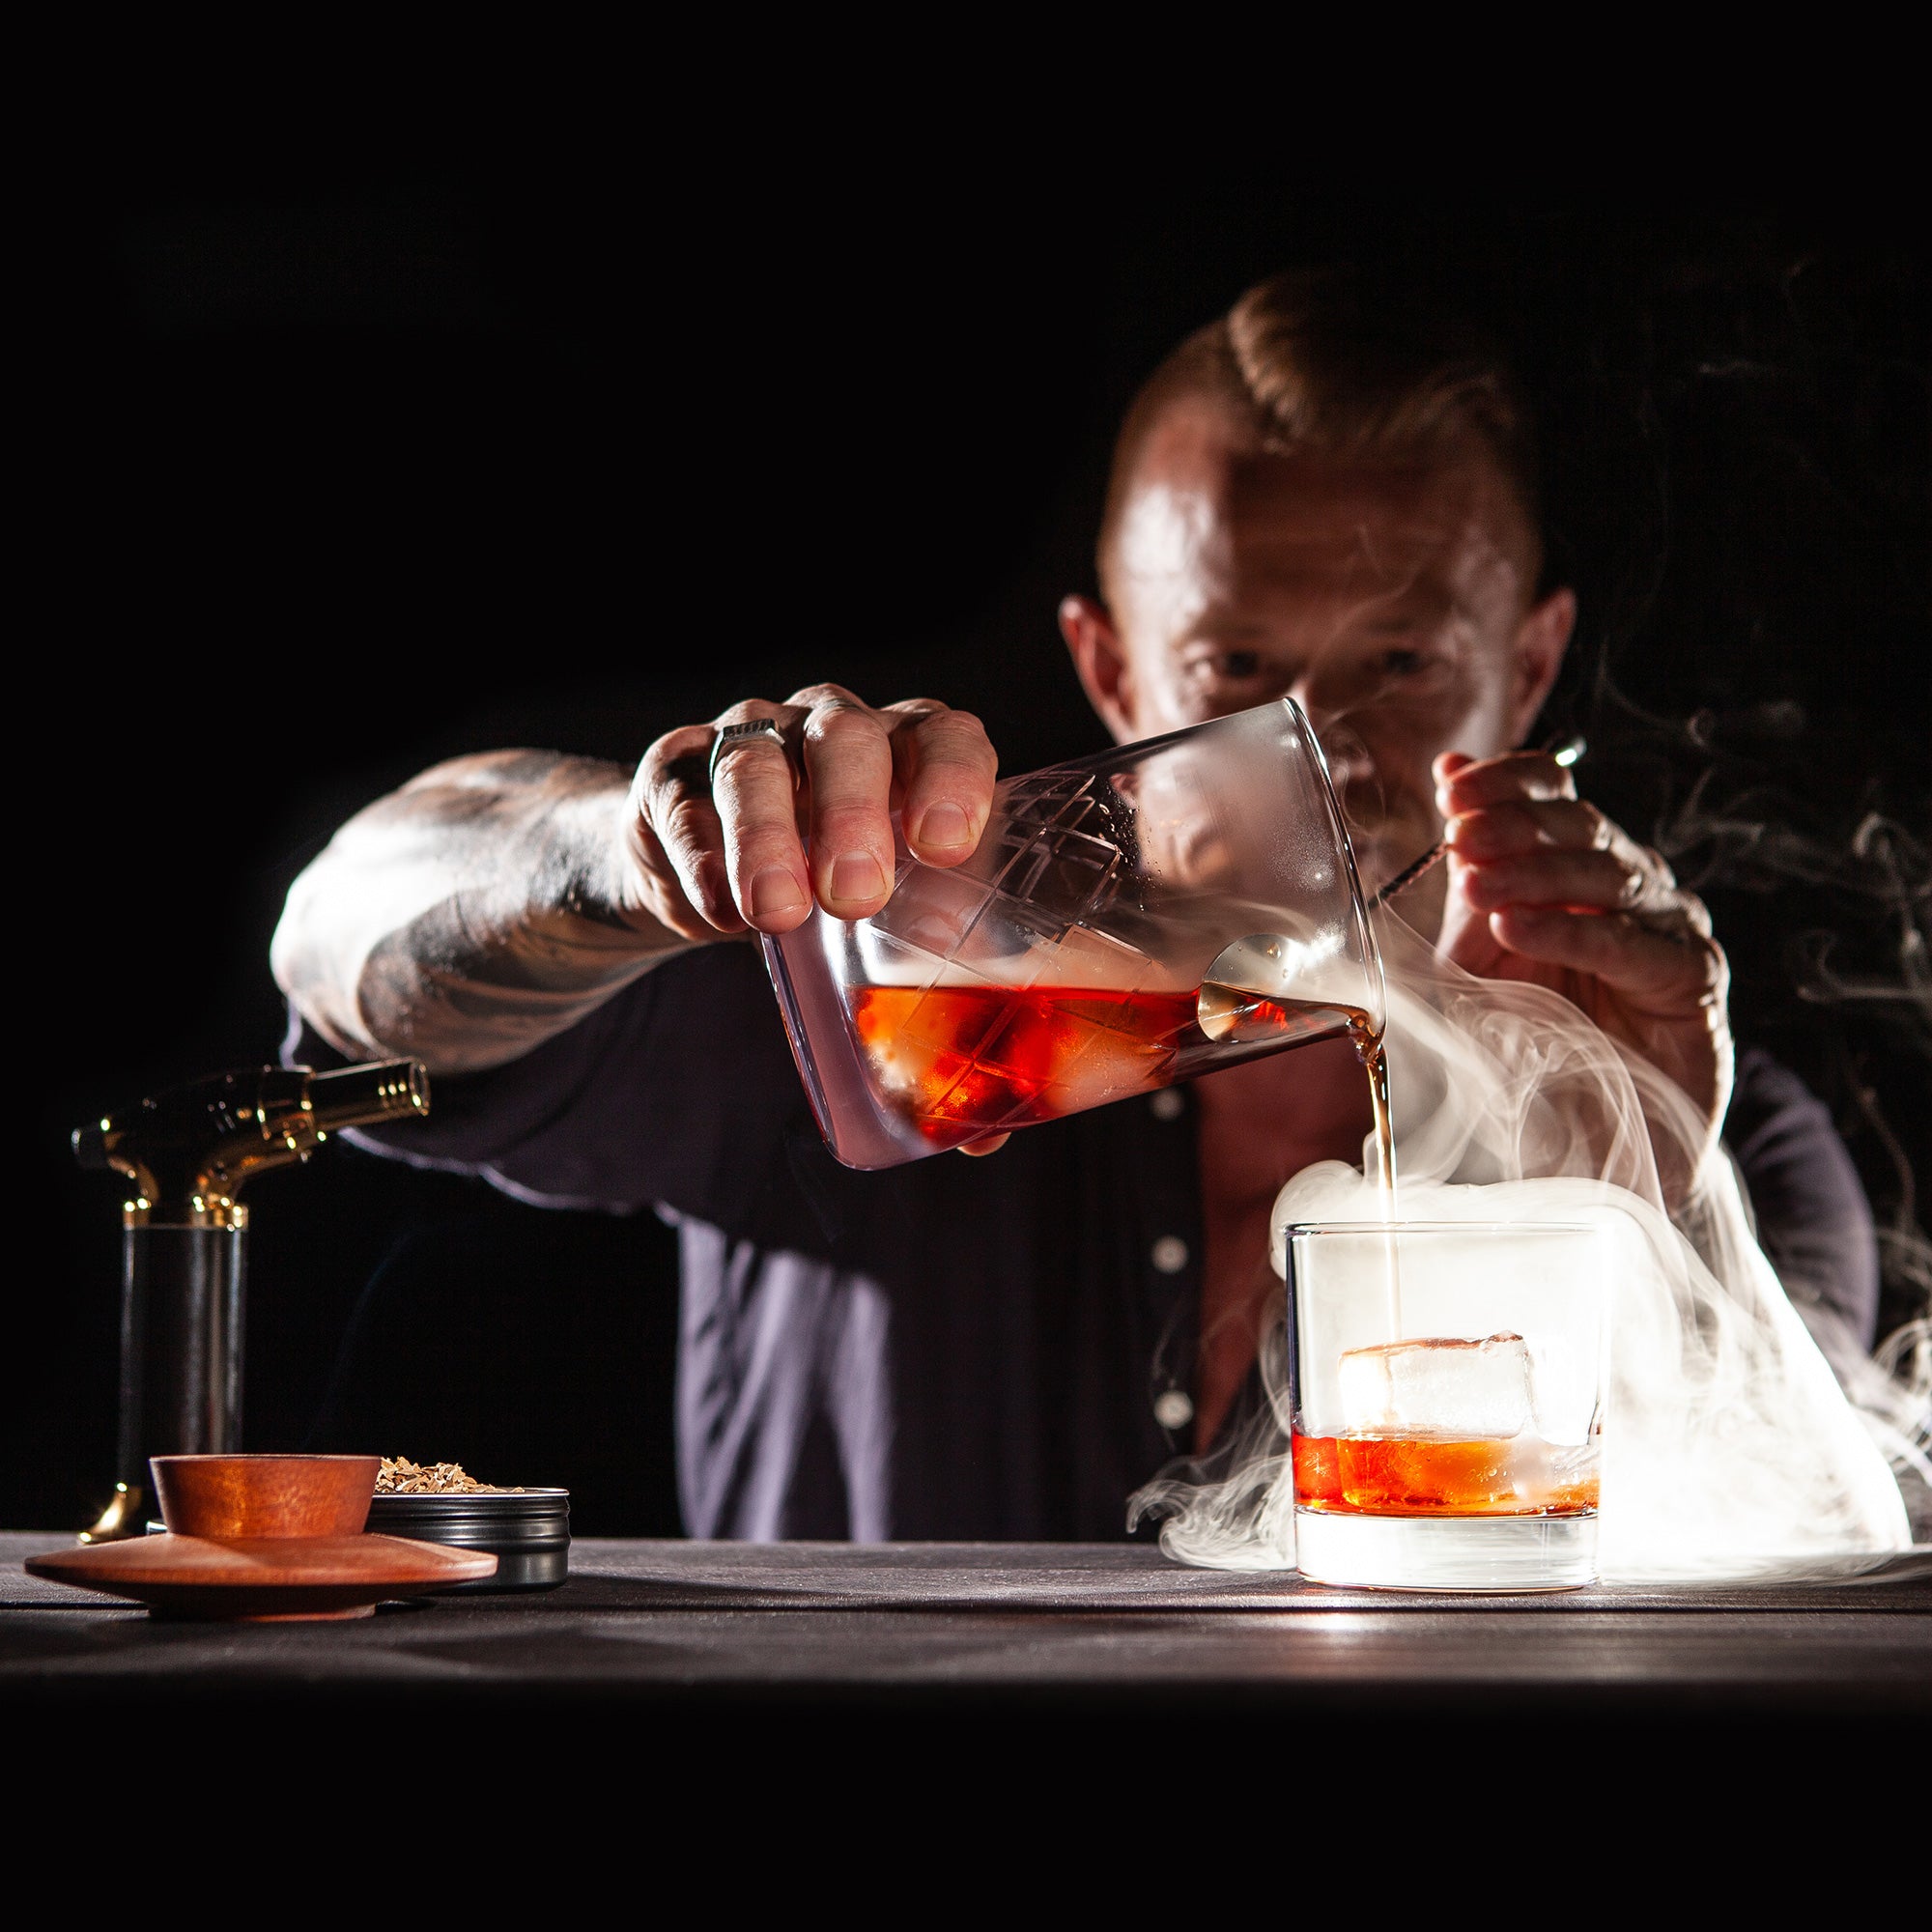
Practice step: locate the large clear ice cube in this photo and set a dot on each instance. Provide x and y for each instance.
(1437, 1387)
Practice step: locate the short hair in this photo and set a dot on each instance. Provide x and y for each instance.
(1333, 361)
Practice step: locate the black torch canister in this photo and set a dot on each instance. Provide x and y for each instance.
(183, 1246)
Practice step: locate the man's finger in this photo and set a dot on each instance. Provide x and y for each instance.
(848, 759)
(1497, 831)
(1515, 777)
(812, 695)
(662, 891)
(946, 766)
(671, 796)
(752, 790)
(992, 1144)
(1649, 969)
(1552, 877)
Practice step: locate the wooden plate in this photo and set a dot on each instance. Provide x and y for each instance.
(263, 1578)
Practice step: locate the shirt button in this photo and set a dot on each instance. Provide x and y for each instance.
(1167, 1104)
(1169, 1255)
(1173, 1409)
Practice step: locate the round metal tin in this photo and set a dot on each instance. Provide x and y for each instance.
(528, 1531)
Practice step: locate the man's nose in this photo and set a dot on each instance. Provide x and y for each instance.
(1317, 696)
(1318, 689)
(1326, 706)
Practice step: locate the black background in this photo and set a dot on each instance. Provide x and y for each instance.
(352, 465)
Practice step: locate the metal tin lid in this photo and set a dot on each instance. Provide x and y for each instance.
(505, 1520)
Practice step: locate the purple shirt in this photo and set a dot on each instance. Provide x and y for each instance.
(955, 1350)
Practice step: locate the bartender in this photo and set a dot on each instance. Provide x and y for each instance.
(1329, 494)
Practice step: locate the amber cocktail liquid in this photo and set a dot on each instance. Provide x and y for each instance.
(1446, 1460)
(964, 1062)
(1437, 1475)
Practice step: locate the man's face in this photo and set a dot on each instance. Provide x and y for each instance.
(1391, 600)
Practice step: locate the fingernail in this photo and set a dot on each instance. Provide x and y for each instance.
(856, 875)
(773, 891)
(944, 827)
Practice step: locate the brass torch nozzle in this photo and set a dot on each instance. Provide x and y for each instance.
(189, 1151)
(359, 1096)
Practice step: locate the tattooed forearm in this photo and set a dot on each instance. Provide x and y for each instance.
(471, 915)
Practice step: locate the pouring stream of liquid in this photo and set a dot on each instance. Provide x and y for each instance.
(1238, 1013)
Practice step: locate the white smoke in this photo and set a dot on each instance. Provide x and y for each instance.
(1729, 1449)
(1879, 876)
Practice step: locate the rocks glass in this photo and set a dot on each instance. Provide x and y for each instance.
(1446, 1384)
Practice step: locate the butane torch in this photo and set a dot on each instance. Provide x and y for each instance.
(183, 1248)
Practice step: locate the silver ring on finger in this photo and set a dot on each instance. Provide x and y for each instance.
(748, 732)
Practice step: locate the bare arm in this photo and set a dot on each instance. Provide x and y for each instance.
(470, 916)
(496, 900)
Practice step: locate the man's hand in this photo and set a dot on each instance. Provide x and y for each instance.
(1545, 889)
(708, 861)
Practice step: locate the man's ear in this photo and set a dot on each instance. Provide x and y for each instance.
(1540, 640)
(1088, 626)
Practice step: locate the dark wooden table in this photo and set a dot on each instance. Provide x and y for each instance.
(982, 1627)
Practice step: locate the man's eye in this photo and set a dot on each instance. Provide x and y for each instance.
(1238, 663)
(1404, 663)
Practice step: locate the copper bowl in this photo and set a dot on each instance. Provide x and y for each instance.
(231, 1496)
